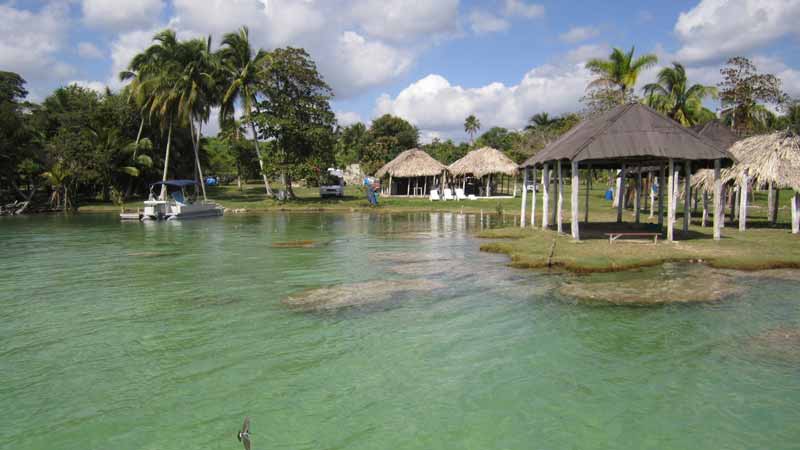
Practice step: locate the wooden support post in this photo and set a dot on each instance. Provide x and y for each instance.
(545, 194)
(522, 216)
(796, 213)
(586, 195)
(670, 201)
(735, 204)
(425, 187)
(651, 194)
(620, 188)
(637, 204)
(533, 199)
(743, 198)
(717, 201)
(554, 190)
(687, 195)
(560, 203)
(773, 219)
(515, 186)
(576, 185)
(617, 189)
(704, 221)
(661, 185)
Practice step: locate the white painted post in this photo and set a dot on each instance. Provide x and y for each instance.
(617, 189)
(560, 204)
(670, 201)
(651, 179)
(533, 199)
(576, 183)
(661, 185)
(522, 216)
(717, 201)
(796, 213)
(588, 188)
(545, 194)
(637, 203)
(687, 195)
(743, 199)
(621, 187)
(704, 221)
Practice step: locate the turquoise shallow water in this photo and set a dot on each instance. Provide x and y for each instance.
(165, 335)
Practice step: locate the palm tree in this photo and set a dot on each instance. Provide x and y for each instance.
(159, 87)
(619, 72)
(673, 96)
(195, 87)
(244, 69)
(540, 120)
(471, 126)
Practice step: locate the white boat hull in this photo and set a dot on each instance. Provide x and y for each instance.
(162, 210)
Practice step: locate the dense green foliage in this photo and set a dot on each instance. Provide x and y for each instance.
(675, 98)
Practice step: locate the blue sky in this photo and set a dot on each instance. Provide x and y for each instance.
(432, 63)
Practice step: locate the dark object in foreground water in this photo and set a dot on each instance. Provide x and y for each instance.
(244, 435)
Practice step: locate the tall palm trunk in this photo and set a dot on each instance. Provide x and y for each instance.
(129, 190)
(163, 194)
(260, 161)
(196, 142)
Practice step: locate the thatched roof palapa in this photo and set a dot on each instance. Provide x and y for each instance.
(634, 134)
(411, 163)
(768, 158)
(484, 161)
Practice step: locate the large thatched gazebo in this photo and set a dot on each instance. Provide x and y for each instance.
(628, 137)
(769, 159)
(411, 174)
(485, 172)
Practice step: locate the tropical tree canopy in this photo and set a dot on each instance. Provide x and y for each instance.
(616, 76)
(674, 97)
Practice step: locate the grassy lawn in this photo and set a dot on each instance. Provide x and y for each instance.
(762, 246)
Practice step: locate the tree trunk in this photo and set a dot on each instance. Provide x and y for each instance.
(163, 194)
(197, 157)
(260, 161)
(129, 189)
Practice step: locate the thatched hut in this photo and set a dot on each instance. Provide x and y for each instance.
(767, 160)
(485, 172)
(412, 173)
(629, 137)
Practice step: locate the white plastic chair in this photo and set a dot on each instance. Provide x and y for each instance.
(448, 194)
(435, 195)
(460, 194)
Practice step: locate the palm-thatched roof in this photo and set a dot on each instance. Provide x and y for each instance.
(484, 161)
(411, 163)
(632, 133)
(768, 158)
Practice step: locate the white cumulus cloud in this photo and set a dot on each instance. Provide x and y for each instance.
(717, 29)
(483, 22)
(578, 34)
(122, 14)
(523, 9)
(31, 40)
(88, 50)
(435, 105)
(396, 20)
(346, 118)
(363, 64)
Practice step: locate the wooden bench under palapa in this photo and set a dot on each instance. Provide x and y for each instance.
(614, 236)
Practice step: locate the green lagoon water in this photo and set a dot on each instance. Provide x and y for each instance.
(165, 335)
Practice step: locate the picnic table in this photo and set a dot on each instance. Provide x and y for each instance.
(614, 236)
